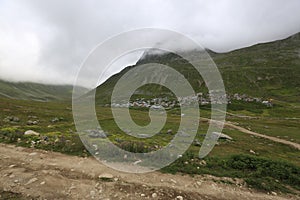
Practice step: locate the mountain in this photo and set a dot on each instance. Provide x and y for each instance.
(35, 91)
(267, 70)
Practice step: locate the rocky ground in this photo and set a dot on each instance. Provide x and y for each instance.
(36, 174)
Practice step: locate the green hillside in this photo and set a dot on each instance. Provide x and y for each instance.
(35, 91)
(268, 70)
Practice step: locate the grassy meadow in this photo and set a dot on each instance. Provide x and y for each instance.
(273, 167)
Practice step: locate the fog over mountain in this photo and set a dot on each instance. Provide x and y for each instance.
(46, 41)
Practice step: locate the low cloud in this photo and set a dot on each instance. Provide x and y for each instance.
(46, 41)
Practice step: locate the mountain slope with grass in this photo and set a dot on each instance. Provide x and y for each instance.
(35, 91)
(267, 70)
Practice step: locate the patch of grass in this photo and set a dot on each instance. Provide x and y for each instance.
(259, 173)
(105, 179)
(12, 196)
(61, 137)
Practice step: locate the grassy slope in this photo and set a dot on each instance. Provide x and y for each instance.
(222, 161)
(266, 70)
(35, 91)
(269, 70)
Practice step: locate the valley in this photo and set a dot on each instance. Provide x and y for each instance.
(256, 158)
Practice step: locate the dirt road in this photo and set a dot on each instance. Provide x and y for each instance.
(36, 174)
(244, 130)
(275, 139)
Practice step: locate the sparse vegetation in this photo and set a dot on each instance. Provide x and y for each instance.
(259, 173)
(256, 71)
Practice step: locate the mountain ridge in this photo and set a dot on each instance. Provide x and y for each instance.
(268, 70)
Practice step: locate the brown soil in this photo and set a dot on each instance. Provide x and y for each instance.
(36, 174)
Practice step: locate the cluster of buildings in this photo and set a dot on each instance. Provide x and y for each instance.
(246, 98)
(200, 98)
(155, 103)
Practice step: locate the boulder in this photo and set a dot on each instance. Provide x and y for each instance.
(54, 120)
(223, 136)
(197, 143)
(96, 133)
(220, 135)
(11, 119)
(15, 119)
(119, 140)
(30, 122)
(31, 132)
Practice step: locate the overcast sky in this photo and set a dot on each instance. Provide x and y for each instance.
(47, 40)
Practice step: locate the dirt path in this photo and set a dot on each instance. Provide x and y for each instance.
(36, 174)
(275, 139)
(244, 130)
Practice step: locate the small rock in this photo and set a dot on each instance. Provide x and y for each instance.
(19, 148)
(32, 154)
(220, 135)
(6, 120)
(97, 133)
(106, 176)
(54, 120)
(45, 138)
(173, 181)
(251, 151)
(29, 122)
(143, 195)
(42, 183)
(31, 132)
(72, 188)
(32, 117)
(92, 193)
(274, 193)
(95, 147)
(154, 195)
(15, 119)
(137, 162)
(11, 166)
(169, 131)
(197, 143)
(12, 176)
(203, 163)
(179, 198)
(16, 181)
(31, 181)
(199, 183)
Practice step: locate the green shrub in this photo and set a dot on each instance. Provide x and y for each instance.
(259, 173)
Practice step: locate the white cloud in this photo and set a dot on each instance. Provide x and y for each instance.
(46, 41)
